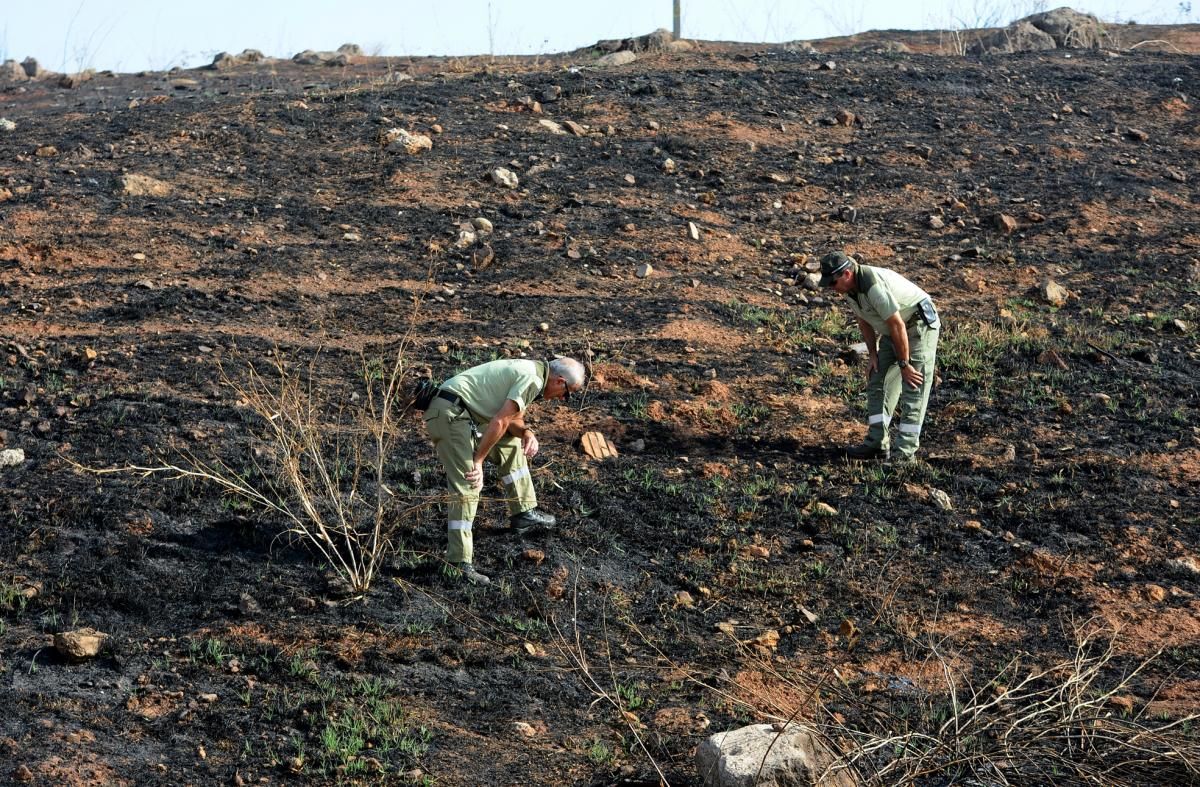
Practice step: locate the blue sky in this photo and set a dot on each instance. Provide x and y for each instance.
(135, 35)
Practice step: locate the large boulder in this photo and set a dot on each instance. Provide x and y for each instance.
(658, 41)
(762, 756)
(1018, 37)
(1062, 28)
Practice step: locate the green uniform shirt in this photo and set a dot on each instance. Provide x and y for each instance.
(882, 293)
(486, 387)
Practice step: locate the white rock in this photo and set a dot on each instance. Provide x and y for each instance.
(644, 270)
(759, 755)
(465, 239)
(812, 281)
(617, 59)
(11, 457)
(941, 499)
(668, 166)
(693, 231)
(505, 177)
(7, 125)
(553, 127)
(481, 224)
(1053, 293)
(402, 140)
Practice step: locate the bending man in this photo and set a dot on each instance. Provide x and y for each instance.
(493, 397)
(901, 327)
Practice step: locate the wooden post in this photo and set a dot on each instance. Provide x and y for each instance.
(677, 19)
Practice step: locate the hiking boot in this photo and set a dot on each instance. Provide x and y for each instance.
(471, 575)
(865, 451)
(530, 520)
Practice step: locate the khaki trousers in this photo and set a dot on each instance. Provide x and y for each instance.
(886, 389)
(453, 431)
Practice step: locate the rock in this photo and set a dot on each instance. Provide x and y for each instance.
(941, 499)
(637, 446)
(11, 457)
(71, 81)
(668, 166)
(46, 151)
(208, 698)
(7, 125)
(1137, 135)
(630, 180)
(693, 230)
(1005, 223)
(1174, 174)
(505, 178)
(465, 238)
(1180, 326)
(22, 774)
(354, 50)
(936, 223)
(574, 128)
(144, 186)
(550, 125)
(32, 69)
(1051, 357)
(811, 617)
(1053, 293)
(535, 556)
(616, 59)
(223, 61)
(812, 281)
(1156, 593)
(11, 71)
(399, 139)
(481, 224)
(1020, 36)
(644, 270)
(828, 65)
(761, 755)
(1069, 28)
(524, 729)
(684, 599)
(551, 94)
(845, 117)
(80, 644)
(758, 552)
(248, 606)
(1187, 565)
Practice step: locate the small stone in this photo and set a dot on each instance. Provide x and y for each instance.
(637, 446)
(481, 224)
(352, 237)
(684, 599)
(505, 178)
(543, 327)
(644, 270)
(693, 230)
(11, 457)
(524, 729)
(22, 774)
(758, 552)
(1053, 293)
(207, 698)
(845, 118)
(1156, 593)
(7, 125)
(535, 556)
(46, 151)
(79, 644)
(1137, 135)
(1005, 223)
(936, 223)
(139, 257)
(402, 140)
(668, 166)
(630, 180)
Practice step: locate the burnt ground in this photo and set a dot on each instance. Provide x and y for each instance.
(1065, 437)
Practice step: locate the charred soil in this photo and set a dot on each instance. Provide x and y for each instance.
(734, 569)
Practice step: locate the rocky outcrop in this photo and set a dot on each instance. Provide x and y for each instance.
(1062, 28)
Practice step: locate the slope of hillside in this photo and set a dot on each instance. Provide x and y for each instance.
(729, 566)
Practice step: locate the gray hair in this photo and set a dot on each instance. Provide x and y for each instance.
(569, 369)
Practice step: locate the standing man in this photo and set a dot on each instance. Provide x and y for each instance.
(493, 397)
(901, 327)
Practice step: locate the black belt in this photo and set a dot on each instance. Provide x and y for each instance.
(451, 397)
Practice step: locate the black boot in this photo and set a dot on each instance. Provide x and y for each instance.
(531, 520)
(866, 451)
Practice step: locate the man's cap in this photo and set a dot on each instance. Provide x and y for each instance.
(832, 265)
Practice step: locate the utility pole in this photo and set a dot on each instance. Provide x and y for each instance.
(677, 19)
